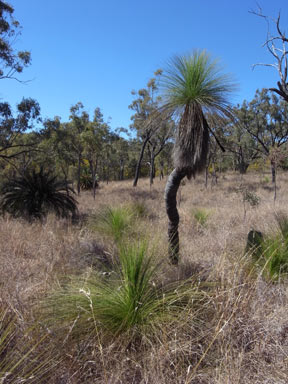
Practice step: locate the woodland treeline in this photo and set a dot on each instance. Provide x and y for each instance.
(86, 150)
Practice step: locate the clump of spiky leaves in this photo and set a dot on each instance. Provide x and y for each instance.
(128, 301)
(139, 209)
(272, 252)
(192, 86)
(275, 257)
(35, 193)
(282, 221)
(25, 357)
(201, 216)
(114, 222)
(86, 181)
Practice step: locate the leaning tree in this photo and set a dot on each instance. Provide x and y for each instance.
(192, 86)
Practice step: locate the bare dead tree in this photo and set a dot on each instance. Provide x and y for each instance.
(276, 44)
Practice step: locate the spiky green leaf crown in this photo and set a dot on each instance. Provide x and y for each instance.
(196, 78)
(192, 86)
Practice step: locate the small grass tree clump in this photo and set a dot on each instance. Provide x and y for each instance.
(114, 222)
(36, 193)
(25, 356)
(118, 222)
(271, 253)
(201, 216)
(127, 301)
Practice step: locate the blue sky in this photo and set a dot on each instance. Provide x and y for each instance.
(97, 51)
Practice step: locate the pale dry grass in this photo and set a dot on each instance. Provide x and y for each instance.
(241, 338)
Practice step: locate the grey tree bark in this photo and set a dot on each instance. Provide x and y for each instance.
(139, 162)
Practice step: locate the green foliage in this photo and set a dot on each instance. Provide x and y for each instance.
(282, 221)
(251, 198)
(34, 194)
(196, 78)
(127, 301)
(24, 356)
(201, 216)
(139, 209)
(265, 180)
(275, 257)
(86, 180)
(113, 221)
(248, 197)
(272, 253)
(12, 62)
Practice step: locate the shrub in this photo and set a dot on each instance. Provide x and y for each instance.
(34, 194)
(251, 198)
(86, 182)
(128, 301)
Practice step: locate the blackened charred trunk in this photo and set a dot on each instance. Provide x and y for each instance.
(171, 189)
(79, 173)
(152, 168)
(139, 162)
(273, 171)
(242, 166)
(121, 174)
(206, 175)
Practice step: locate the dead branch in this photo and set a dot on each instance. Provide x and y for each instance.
(278, 52)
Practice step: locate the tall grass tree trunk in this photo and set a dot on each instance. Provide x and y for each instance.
(192, 87)
(171, 190)
(190, 157)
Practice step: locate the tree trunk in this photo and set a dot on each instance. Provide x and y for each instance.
(206, 175)
(152, 168)
(273, 172)
(171, 189)
(121, 174)
(79, 173)
(139, 162)
(243, 167)
(93, 170)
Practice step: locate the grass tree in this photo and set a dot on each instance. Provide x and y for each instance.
(193, 86)
(34, 194)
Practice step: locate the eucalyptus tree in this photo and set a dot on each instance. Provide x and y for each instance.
(192, 86)
(157, 142)
(79, 122)
(122, 149)
(12, 144)
(12, 62)
(95, 138)
(266, 121)
(145, 107)
(56, 147)
(242, 148)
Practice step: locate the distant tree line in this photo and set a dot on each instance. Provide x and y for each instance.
(87, 151)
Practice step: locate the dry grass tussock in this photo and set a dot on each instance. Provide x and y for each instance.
(230, 324)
